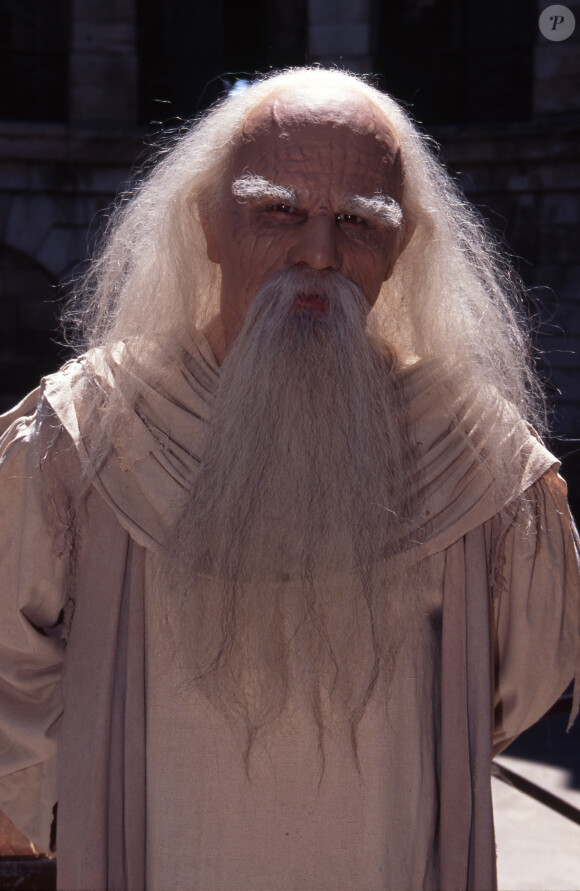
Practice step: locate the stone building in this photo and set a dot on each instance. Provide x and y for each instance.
(90, 80)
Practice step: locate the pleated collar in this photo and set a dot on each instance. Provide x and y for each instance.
(147, 478)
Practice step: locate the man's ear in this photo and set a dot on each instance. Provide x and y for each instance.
(409, 227)
(207, 224)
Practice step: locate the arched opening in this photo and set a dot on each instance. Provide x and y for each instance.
(29, 342)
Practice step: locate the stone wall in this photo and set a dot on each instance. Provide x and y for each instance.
(556, 87)
(103, 64)
(55, 182)
(526, 180)
(340, 33)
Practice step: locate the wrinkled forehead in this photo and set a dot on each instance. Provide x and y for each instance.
(320, 134)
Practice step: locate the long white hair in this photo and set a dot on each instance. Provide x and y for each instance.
(453, 295)
(452, 300)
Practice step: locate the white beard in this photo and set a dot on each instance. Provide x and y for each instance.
(304, 474)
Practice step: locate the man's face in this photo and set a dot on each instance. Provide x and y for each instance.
(297, 186)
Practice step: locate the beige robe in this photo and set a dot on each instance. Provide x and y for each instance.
(151, 791)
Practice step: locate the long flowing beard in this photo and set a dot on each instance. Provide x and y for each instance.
(301, 497)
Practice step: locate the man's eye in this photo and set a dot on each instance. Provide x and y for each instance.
(282, 208)
(351, 219)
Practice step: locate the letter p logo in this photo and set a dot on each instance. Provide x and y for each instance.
(557, 23)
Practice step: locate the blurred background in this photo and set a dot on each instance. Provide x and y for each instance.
(86, 83)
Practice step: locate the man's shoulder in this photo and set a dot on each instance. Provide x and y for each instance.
(35, 445)
(474, 453)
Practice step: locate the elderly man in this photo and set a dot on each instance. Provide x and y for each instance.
(282, 558)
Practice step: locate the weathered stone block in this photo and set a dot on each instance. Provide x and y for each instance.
(94, 87)
(104, 38)
(62, 249)
(560, 207)
(557, 81)
(559, 243)
(103, 10)
(340, 11)
(331, 39)
(30, 219)
(566, 317)
(564, 279)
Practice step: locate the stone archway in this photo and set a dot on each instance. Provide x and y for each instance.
(29, 342)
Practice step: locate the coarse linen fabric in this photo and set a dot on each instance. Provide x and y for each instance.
(151, 786)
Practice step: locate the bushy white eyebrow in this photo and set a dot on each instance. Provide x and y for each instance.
(380, 207)
(251, 187)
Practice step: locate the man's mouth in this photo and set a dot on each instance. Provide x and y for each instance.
(312, 303)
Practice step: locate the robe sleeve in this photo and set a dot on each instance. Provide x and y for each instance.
(537, 624)
(34, 564)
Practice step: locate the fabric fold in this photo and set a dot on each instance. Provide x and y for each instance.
(85, 576)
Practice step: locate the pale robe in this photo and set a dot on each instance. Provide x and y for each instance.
(151, 786)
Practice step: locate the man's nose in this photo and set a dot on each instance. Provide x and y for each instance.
(316, 244)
